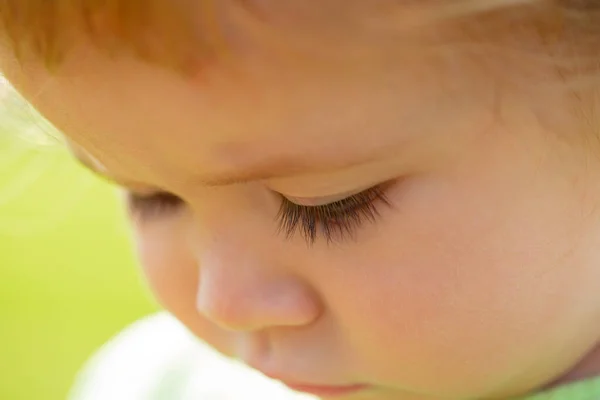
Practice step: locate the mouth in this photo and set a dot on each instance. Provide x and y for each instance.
(317, 389)
(325, 390)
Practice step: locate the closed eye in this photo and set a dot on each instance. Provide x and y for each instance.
(154, 205)
(338, 220)
(334, 221)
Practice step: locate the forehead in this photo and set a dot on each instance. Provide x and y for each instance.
(143, 123)
(134, 114)
(275, 102)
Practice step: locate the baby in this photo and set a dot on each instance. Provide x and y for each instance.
(361, 199)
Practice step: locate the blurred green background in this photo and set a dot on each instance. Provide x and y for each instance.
(68, 279)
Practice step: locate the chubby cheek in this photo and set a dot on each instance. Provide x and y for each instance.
(173, 276)
(463, 286)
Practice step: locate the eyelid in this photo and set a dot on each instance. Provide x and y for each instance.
(334, 221)
(321, 201)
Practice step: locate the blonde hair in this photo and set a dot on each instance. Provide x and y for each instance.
(165, 32)
(155, 30)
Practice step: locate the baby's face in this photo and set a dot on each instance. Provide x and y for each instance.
(415, 223)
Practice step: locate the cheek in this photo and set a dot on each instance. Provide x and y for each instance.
(172, 273)
(169, 268)
(466, 279)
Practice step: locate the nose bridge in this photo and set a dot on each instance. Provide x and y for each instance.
(242, 288)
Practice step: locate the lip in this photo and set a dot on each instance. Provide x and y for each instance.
(325, 390)
(319, 390)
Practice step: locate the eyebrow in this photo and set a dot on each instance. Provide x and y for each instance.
(271, 168)
(268, 169)
(276, 168)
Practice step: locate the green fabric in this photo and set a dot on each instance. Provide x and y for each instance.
(584, 390)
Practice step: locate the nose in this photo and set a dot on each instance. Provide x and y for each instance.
(243, 294)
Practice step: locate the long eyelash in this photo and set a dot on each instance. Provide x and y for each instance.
(336, 220)
(153, 205)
